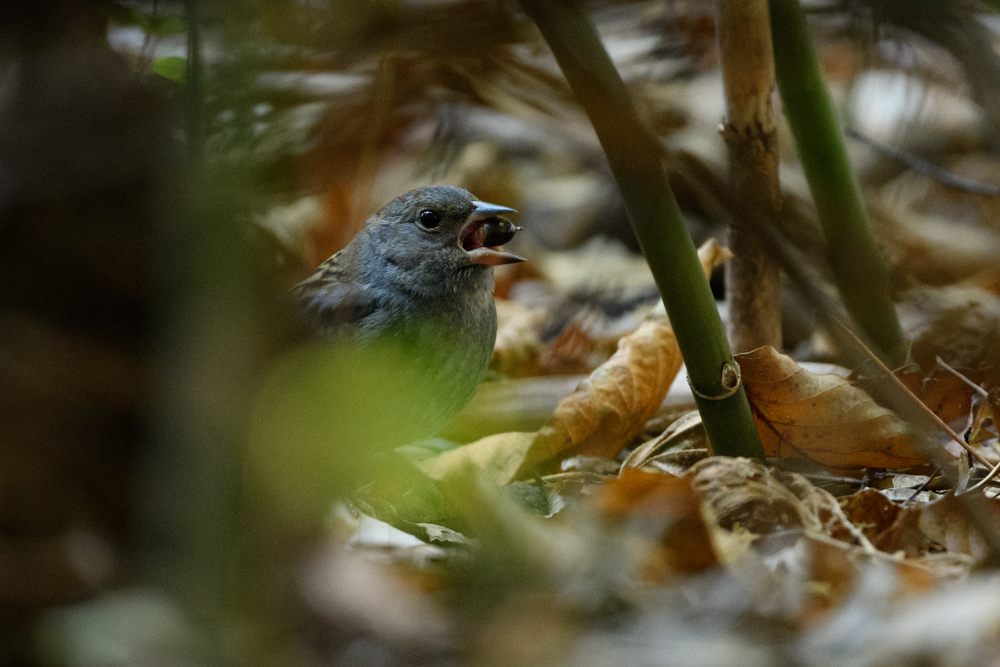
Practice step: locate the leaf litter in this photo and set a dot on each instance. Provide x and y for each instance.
(601, 536)
(735, 560)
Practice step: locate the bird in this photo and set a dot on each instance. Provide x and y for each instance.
(418, 278)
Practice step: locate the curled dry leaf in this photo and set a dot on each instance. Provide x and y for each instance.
(947, 522)
(669, 513)
(822, 417)
(743, 493)
(686, 423)
(611, 407)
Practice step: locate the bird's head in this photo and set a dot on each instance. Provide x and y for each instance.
(440, 238)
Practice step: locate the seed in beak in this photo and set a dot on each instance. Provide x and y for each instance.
(496, 231)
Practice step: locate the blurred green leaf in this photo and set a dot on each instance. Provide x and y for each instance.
(152, 24)
(125, 15)
(529, 496)
(324, 415)
(165, 25)
(171, 67)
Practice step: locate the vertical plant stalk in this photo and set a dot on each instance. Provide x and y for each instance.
(194, 85)
(210, 337)
(753, 279)
(634, 157)
(858, 266)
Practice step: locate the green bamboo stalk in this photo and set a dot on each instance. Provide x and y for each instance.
(194, 88)
(858, 266)
(634, 156)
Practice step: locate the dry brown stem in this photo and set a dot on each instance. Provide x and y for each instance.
(753, 281)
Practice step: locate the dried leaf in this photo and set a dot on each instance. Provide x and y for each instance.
(822, 417)
(686, 423)
(946, 522)
(904, 535)
(943, 392)
(611, 407)
(742, 492)
(984, 426)
(671, 515)
(496, 458)
(870, 511)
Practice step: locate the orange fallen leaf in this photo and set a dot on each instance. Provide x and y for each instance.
(611, 406)
(641, 493)
(947, 522)
(870, 511)
(822, 417)
(945, 394)
(671, 517)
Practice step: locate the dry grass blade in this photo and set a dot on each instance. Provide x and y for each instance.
(927, 412)
(823, 417)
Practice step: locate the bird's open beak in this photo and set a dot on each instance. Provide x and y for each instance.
(482, 210)
(493, 257)
(473, 235)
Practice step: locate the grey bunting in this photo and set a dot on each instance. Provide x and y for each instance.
(419, 279)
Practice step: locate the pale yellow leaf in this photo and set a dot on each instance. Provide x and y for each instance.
(496, 458)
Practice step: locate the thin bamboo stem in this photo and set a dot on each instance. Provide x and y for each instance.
(635, 160)
(858, 266)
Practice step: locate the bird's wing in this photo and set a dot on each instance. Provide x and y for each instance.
(332, 301)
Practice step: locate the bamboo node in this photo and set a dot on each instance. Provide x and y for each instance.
(731, 381)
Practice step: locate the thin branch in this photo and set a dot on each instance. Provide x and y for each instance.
(924, 168)
(917, 403)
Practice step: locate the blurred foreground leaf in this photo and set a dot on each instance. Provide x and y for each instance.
(171, 67)
(326, 418)
(496, 458)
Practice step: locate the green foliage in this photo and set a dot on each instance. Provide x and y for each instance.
(171, 67)
(151, 24)
(857, 263)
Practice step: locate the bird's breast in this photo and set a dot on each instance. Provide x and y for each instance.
(447, 345)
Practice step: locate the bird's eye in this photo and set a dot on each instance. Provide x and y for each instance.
(429, 219)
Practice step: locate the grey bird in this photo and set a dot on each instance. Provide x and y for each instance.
(419, 278)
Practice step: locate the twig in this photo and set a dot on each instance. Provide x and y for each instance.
(919, 404)
(925, 168)
(921, 488)
(979, 390)
(985, 480)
